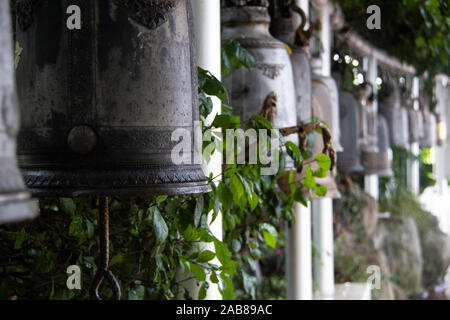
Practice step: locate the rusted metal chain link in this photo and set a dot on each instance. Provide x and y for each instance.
(103, 271)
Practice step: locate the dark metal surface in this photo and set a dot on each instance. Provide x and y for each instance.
(103, 271)
(100, 104)
(15, 202)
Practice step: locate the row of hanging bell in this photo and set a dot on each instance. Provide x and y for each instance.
(99, 104)
(248, 23)
(312, 89)
(15, 201)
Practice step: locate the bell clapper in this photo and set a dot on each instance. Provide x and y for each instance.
(103, 270)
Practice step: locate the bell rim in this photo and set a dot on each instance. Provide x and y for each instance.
(143, 181)
(126, 191)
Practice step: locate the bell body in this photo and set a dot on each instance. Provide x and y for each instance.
(330, 85)
(349, 160)
(15, 201)
(322, 108)
(272, 72)
(100, 104)
(397, 116)
(283, 29)
(415, 125)
(429, 139)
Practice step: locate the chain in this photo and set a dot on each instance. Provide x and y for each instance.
(103, 271)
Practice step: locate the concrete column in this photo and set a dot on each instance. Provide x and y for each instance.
(322, 209)
(299, 256)
(208, 36)
(298, 237)
(413, 165)
(441, 155)
(323, 241)
(371, 67)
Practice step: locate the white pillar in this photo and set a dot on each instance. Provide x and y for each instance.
(299, 256)
(298, 237)
(208, 36)
(441, 156)
(371, 181)
(323, 241)
(413, 173)
(322, 209)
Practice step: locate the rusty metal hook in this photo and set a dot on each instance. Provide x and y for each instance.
(103, 271)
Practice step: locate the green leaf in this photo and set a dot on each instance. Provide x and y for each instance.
(270, 234)
(68, 205)
(300, 195)
(202, 291)
(320, 190)
(159, 225)
(190, 233)
(323, 161)
(197, 271)
(238, 191)
(294, 152)
(222, 252)
(213, 277)
(205, 256)
(309, 181)
(20, 239)
(210, 85)
(225, 196)
(262, 121)
(160, 199)
(227, 291)
(76, 228)
(198, 210)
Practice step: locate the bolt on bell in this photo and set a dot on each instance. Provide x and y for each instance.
(15, 202)
(101, 104)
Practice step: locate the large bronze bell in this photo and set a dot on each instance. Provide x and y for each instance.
(415, 123)
(328, 84)
(349, 160)
(100, 103)
(272, 72)
(397, 116)
(322, 108)
(15, 202)
(429, 139)
(282, 27)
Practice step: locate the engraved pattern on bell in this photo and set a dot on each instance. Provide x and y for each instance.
(149, 13)
(100, 104)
